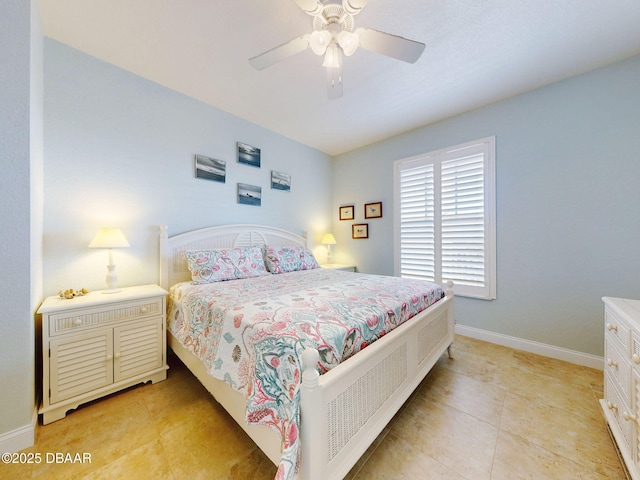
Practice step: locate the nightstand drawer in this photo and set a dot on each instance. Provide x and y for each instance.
(80, 319)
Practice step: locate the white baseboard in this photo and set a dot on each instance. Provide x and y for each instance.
(20, 438)
(571, 356)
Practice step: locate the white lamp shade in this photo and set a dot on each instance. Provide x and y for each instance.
(328, 239)
(348, 41)
(109, 238)
(319, 41)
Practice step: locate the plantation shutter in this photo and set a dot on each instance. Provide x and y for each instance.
(445, 202)
(417, 223)
(462, 211)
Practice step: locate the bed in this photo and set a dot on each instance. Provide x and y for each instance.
(337, 410)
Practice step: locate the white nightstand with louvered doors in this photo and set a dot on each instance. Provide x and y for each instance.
(99, 343)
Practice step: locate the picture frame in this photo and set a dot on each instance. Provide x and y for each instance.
(211, 168)
(347, 212)
(360, 230)
(280, 181)
(248, 155)
(249, 194)
(373, 210)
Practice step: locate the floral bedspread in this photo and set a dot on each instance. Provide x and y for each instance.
(251, 333)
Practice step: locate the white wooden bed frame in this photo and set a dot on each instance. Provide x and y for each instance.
(352, 403)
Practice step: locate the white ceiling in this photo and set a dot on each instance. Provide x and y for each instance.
(477, 52)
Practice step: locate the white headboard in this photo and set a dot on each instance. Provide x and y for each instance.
(173, 266)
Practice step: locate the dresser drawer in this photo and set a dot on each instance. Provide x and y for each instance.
(618, 368)
(617, 330)
(635, 350)
(79, 319)
(617, 406)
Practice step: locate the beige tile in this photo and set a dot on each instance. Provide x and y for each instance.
(205, 448)
(459, 441)
(105, 429)
(574, 398)
(482, 361)
(518, 459)
(255, 466)
(147, 461)
(579, 439)
(400, 458)
(481, 399)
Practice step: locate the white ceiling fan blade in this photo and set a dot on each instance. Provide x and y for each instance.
(353, 7)
(334, 82)
(390, 45)
(279, 53)
(311, 7)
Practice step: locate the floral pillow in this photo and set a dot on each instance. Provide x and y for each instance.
(289, 259)
(208, 266)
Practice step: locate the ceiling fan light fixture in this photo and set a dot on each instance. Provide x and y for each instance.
(319, 41)
(348, 41)
(332, 57)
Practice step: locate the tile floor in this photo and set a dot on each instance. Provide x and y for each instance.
(490, 413)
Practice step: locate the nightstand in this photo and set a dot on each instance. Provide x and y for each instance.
(99, 343)
(340, 266)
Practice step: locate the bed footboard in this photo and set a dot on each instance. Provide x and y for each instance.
(344, 410)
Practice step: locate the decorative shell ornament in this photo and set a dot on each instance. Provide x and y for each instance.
(71, 293)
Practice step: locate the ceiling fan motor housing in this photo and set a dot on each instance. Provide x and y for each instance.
(333, 18)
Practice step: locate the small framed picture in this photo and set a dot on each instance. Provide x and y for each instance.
(373, 210)
(280, 181)
(360, 230)
(211, 168)
(249, 194)
(346, 212)
(248, 155)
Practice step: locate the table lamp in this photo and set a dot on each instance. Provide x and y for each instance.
(110, 238)
(328, 240)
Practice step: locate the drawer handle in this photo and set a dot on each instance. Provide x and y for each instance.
(611, 406)
(109, 358)
(611, 327)
(628, 417)
(117, 355)
(77, 322)
(143, 309)
(612, 363)
(636, 358)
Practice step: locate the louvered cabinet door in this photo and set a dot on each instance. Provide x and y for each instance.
(80, 364)
(137, 348)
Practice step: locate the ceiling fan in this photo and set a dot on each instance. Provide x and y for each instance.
(334, 36)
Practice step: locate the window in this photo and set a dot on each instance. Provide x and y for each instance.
(445, 203)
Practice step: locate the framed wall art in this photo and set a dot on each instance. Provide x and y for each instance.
(373, 210)
(211, 169)
(249, 194)
(280, 181)
(346, 212)
(248, 155)
(360, 230)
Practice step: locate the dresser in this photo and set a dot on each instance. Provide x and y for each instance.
(99, 343)
(621, 403)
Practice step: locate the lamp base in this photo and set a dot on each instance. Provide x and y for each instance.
(112, 280)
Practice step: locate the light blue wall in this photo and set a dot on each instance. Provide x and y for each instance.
(568, 204)
(119, 151)
(20, 155)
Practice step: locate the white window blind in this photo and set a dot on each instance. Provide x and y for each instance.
(445, 203)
